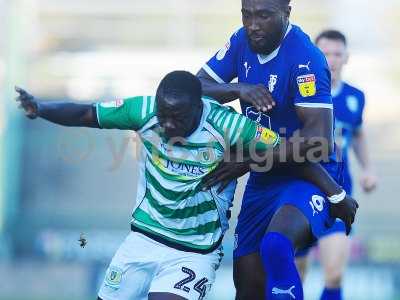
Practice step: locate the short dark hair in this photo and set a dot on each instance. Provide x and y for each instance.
(332, 34)
(284, 3)
(180, 84)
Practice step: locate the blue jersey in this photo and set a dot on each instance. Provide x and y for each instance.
(296, 74)
(348, 103)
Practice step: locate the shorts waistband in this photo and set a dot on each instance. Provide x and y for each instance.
(175, 245)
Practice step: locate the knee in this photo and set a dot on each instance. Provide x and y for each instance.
(255, 291)
(333, 276)
(249, 294)
(249, 284)
(272, 245)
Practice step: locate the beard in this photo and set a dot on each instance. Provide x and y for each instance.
(269, 43)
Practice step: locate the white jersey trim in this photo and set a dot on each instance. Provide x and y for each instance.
(214, 75)
(263, 59)
(315, 105)
(97, 114)
(336, 91)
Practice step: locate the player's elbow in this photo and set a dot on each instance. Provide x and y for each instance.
(318, 148)
(88, 117)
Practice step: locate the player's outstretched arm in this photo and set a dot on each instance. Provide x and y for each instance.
(66, 114)
(255, 94)
(368, 179)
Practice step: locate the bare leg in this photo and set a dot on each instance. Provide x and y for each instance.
(335, 251)
(165, 296)
(302, 265)
(249, 277)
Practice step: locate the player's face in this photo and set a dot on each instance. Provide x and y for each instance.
(178, 118)
(336, 54)
(265, 22)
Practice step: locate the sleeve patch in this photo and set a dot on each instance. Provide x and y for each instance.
(307, 86)
(265, 135)
(112, 104)
(222, 52)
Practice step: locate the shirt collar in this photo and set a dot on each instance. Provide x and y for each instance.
(337, 90)
(263, 59)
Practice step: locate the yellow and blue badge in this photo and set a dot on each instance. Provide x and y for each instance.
(266, 135)
(307, 86)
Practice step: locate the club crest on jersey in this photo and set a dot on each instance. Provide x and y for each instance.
(222, 52)
(253, 114)
(114, 277)
(206, 155)
(307, 86)
(352, 104)
(273, 79)
(112, 104)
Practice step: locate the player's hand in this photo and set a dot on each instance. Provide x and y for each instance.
(27, 103)
(346, 211)
(257, 95)
(368, 182)
(224, 173)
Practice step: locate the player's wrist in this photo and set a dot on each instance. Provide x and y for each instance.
(337, 197)
(37, 110)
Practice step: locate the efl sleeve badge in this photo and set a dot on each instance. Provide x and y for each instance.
(307, 86)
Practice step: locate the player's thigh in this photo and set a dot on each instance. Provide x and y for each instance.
(334, 254)
(303, 214)
(249, 277)
(302, 263)
(131, 270)
(188, 275)
(165, 296)
(293, 224)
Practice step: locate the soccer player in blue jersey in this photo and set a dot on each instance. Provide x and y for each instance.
(348, 104)
(283, 83)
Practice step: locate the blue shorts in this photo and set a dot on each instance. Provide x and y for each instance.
(338, 227)
(347, 182)
(261, 201)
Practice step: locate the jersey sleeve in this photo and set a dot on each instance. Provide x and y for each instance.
(222, 67)
(243, 132)
(311, 80)
(360, 116)
(131, 113)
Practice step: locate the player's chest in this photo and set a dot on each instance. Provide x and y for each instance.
(274, 75)
(192, 158)
(347, 110)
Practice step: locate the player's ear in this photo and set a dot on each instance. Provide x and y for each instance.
(288, 11)
(347, 56)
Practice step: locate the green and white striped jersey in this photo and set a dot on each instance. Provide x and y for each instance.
(170, 203)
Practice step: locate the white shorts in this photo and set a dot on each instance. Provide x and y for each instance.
(142, 266)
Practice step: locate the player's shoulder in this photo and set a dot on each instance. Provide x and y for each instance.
(239, 34)
(216, 110)
(351, 90)
(300, 47)
(238, 39)
(221, 117)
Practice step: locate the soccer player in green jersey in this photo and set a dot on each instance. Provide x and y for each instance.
(177, 226)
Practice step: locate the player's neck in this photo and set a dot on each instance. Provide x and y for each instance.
(336, 83)
(196, 123)
(336, 87)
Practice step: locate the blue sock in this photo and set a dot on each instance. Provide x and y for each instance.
(282, 280)
(332, 294)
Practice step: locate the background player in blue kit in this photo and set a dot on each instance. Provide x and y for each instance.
(283, 83)
(348, 104)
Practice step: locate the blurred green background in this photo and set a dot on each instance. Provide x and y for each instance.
(59, 182)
